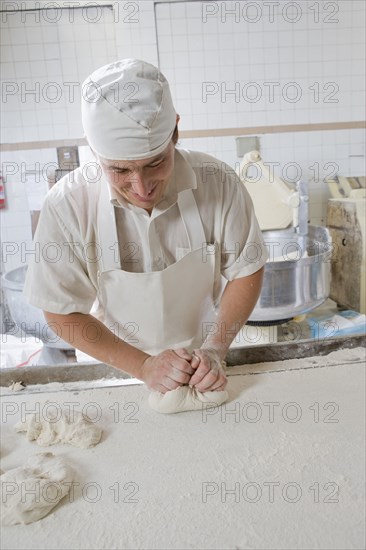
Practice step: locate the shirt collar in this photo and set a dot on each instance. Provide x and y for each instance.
(183, 178)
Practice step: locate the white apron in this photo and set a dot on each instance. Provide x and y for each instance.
(161, 309)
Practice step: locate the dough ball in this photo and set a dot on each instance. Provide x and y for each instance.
(29, 493)
(184, 399)
(60, 426)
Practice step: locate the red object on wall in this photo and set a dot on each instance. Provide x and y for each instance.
(2, 193)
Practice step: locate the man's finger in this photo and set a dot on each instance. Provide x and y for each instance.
(219, 386)
(170, 383)
(179, 376)
(202, 371)
(195, 361)
(208, 382)
(183, 353)
(160, 388)
(181, 365)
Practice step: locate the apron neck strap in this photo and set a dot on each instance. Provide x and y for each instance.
(191, 219)
(107, 229)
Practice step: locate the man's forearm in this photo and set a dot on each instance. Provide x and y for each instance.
(88, 334)
(237, 303)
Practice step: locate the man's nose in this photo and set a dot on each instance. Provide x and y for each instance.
(139, 184)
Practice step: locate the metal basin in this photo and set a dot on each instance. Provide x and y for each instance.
(293, 284)
(28, 318)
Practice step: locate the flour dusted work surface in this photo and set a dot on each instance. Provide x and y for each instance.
(280, 466)
(29, 492)
(185, 399)
(60, 426)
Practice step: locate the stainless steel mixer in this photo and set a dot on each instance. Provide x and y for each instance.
(297, 274)
(295, 286)
(27, 318)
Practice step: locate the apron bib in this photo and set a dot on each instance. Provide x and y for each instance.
(161, 309)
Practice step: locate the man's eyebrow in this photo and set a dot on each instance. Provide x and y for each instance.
(156, 159)
(118, 167)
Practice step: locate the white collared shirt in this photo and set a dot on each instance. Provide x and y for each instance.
(63, 274)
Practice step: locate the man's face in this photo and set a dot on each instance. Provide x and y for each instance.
(141, 182)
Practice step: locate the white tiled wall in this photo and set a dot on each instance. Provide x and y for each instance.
(194, 43)
(240, 64)
(223, 59)
(16, 235)
(42, 75)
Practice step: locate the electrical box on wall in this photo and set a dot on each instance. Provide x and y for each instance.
(245, 144)
(68, 158)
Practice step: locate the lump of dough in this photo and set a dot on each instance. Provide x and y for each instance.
(17, 386)
(62, 426)
(29, 493)
(184, 399)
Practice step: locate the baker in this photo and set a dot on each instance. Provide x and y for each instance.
(164, 240)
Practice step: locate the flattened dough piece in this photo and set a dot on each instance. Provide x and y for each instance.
(29, 493)
(68, 427)
(184, 399)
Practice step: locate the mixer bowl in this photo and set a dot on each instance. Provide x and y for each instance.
(294, 283)
(28, 318)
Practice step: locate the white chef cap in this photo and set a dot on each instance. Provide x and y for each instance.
(127, 110)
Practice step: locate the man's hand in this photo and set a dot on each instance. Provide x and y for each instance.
(167, 371)
(209, 375)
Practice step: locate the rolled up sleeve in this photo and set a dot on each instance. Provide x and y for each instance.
(243, 251)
